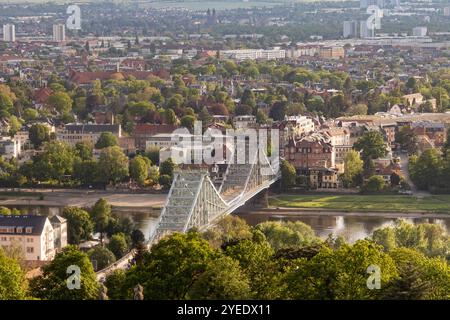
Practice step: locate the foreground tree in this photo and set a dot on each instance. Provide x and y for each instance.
(103, 257)
(172, 266)
(222, 280)
(53, 283)
(12, 279)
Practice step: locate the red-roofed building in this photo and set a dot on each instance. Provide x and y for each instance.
(144, 131)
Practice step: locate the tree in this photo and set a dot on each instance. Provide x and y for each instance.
(56, 160)
(136, 237)
(12, 279)
(79, 224)
(353, 168)
(60, 101)
(205, 117)
(112, 165)
(222, 280)
(173, 265)
(248, 98)
(106, 139)
(340, 273)
(14, 125)
(52, 284)
(372, 146)
(170, 117)
(30, 114)
(278, 110)
(153, 154)
(374, 184)
(39, 134)
(188, 122)
(116, 284)
(118, 245)
(103, 257)
(425, 170)
(228, 229)
(288, 175)
(288, 234)
(139, 170)
(101, 214)
(395, 179)
(167, 167)
(407, 139)
(255, 257)
(84, 150)
(419, 277)
(6, 105)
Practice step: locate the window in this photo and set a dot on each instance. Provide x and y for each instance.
(29, 229)
(3, 239)
(30, 250)
(19, 229)
(30, 240)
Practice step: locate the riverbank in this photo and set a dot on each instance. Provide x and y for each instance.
(379, 204)
(294, 212)
(133, 202)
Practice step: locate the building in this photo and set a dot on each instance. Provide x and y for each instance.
(74, 133)
(156, 134)
(364, 31)
(419, 31)
(447, 11)
(350, 29)
(59, 33)
(10, 148)
(253, 54)
(9, 33)
(364, 4)
(339, 138)
(311, 151)
(244, 121)
(333, 52)
(35, 235)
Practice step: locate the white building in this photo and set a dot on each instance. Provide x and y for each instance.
(10, 148)
(9, 33)
(420, 31)
(59, 33)
(35, 235)
(253, 54)
(350, 29)
(364, 31)
(244, 121)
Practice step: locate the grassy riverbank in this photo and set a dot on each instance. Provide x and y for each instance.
(373, 203)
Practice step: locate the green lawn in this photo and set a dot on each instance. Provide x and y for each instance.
(392, 203)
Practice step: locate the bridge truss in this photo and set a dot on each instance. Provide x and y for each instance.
(194, 201)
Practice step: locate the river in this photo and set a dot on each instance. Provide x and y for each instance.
(352, 227)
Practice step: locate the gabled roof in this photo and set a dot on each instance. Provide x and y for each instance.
(37, 223)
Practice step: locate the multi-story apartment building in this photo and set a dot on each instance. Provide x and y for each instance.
(9, 33)
(35, 235)
(59, 33)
